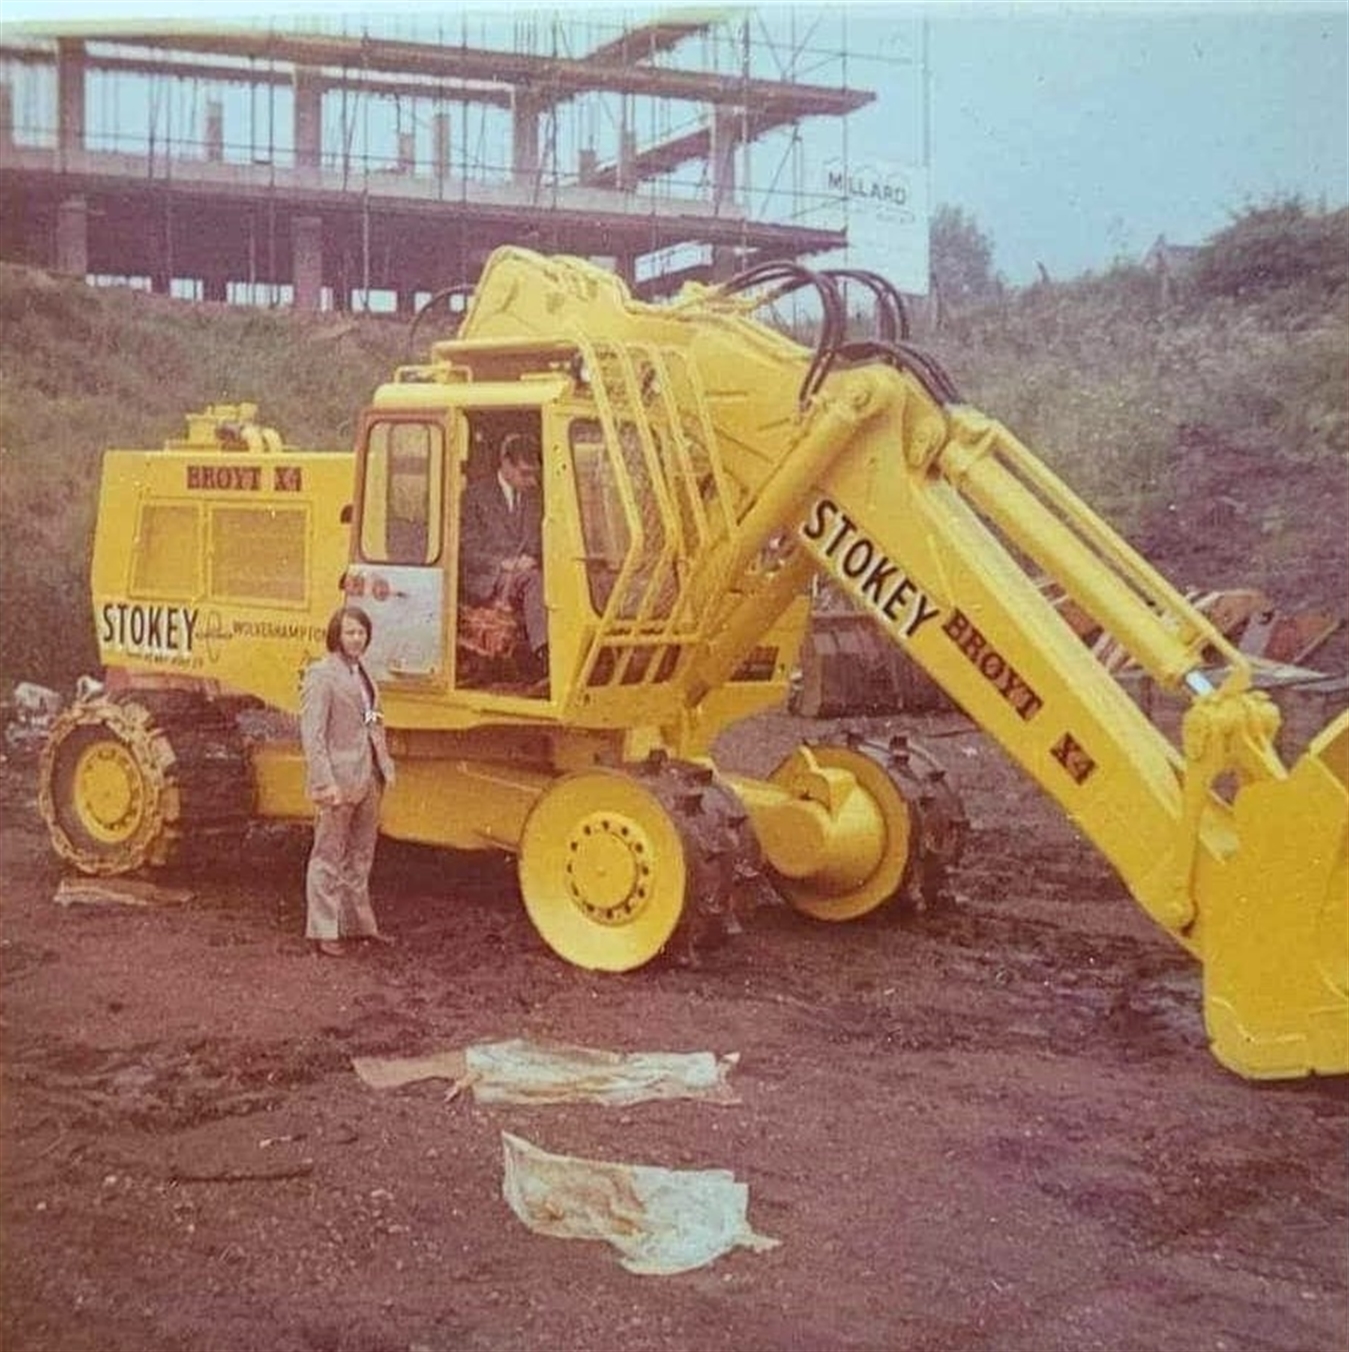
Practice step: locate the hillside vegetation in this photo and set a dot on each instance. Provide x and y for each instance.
(1108, 376)
(1229, 392)
(83, 370)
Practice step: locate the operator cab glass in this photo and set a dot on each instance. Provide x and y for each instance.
(395, 573)
(404, 473)
(624, 523)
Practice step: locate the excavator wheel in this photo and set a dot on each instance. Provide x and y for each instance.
(620, 865)
(144, 779)
(721, 853)
(104, 788)
(602, 870)
(922, 818)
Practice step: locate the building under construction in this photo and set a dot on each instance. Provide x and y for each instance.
(330, 170)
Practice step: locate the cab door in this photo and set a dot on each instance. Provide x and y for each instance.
(397, 572)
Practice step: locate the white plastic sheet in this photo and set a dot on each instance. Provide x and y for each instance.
(381, 1072)
(662, 1221)
(72, 891)
(519, 1071)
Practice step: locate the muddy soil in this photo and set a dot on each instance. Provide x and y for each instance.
(993, 1125)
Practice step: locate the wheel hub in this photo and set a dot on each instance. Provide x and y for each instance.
(608, 869)
(109, 792)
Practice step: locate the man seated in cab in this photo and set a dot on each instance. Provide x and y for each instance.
(501, 544)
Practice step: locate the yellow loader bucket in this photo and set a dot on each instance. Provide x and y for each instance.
(1276, 946)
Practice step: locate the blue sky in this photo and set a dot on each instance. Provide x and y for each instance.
(1075, 134)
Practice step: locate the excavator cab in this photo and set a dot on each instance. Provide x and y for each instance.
(631, 493)
(413, 468)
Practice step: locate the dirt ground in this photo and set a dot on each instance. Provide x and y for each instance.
(990, 1126)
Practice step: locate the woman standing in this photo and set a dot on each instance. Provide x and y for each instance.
(348, 766)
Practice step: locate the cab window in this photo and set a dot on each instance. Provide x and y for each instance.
(404, 472)
(618, 535)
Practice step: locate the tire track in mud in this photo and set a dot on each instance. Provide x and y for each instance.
(1180, 1190)
(953, 979)
(165, 1085)
(1019, 1053)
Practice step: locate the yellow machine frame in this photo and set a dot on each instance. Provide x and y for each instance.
(699, 467)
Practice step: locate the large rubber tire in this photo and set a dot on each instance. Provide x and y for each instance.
(105, 791)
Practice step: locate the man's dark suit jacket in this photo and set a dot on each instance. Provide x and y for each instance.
(490, 532)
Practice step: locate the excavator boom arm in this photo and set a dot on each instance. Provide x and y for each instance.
(942, 541)
(860, 461)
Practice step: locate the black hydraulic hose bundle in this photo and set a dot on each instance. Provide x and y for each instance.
(833, 322)
(891, 313)
(891, 347)
(927, 370)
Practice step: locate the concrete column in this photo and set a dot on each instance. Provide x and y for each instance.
(726, 128)
(70, 94)
(725, 143)
(72, 237)
(407, 153)
(524, 138)
(307, 264)
(440, 145)
(587, 161)
(215, 131)
(161, 269)
(308, 121)
(627, 160)
(6, 115)
(407, 302)
(215, 287)
(627, 147)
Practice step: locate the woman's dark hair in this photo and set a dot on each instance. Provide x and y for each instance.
(334, 637)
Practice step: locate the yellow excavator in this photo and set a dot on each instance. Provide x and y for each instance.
(698, 468)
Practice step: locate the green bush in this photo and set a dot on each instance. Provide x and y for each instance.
(1280, 246)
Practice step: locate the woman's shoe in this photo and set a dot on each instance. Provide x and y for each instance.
(386, 939)
(329, 948)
